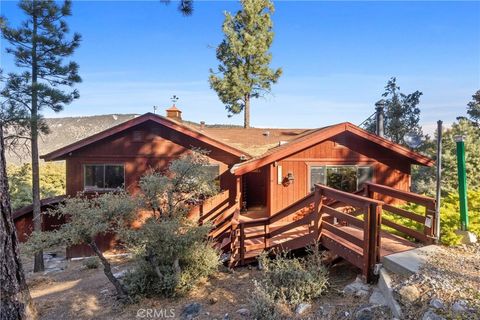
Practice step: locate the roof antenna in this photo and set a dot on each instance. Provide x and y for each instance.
(155, 109)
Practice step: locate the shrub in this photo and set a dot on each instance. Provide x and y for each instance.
(171, 251)
(288, 281)
(263, 305)
(91, 263)
(449, 217)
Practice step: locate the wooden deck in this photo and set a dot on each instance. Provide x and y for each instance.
(348, 224)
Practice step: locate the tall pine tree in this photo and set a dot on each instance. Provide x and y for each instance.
(39, 46)
(244, 57)
(15, 300)
(402, 114)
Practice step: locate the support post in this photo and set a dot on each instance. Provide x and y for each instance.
(462, 182)
(438, 196)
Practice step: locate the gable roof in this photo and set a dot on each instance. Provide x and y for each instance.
(315, 136)
(167, 122)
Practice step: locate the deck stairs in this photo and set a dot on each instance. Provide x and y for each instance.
(349, 225)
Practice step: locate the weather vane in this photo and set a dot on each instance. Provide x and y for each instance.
(155, 109)
(174, 99)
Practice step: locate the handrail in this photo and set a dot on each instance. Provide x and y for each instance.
(400, 194)
(346, 195)
(426, 220)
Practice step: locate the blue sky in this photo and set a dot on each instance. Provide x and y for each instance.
(336, 58)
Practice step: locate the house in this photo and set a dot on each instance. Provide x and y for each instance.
(271, 167)
(261, 171)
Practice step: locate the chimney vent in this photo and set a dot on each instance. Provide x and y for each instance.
(202, 125)
(380, 118)
(174, 113)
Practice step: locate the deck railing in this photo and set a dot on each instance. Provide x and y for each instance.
(315, 221)
(427, 235)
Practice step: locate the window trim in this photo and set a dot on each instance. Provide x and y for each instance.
(96, 189)
(320, 164)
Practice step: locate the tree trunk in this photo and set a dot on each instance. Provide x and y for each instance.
(121, 290)
(15, 298)
(37, 214)
(246, 112)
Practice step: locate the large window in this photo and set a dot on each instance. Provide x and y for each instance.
(346, 178)
(104, 176)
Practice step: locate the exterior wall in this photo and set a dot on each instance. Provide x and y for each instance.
(389, 168)
(157, 148)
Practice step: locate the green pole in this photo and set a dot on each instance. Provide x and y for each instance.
(462, 182)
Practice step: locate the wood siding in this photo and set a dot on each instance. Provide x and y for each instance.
(390, 169)
(155, 149)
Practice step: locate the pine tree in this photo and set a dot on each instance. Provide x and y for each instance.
(15, 300)
(402, 114)
(244, 57)
(39, 46)
(474, 108)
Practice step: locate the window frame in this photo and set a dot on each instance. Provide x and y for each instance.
(97, 189)
(325, 166)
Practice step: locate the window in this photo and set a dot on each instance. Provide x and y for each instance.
(104, 176)
(345, 178)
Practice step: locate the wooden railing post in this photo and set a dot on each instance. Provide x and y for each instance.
(317, 216)
(266, 229)
(242, 243)
(371, 250)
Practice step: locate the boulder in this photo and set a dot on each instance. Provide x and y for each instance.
(357, 288)
(377, 298)
(460, 306)
(431, 315)
(436, 303)
(191, 310)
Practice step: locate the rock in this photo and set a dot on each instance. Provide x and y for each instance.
(191, 310)
(260, 265)
(459, 306)
(370, 312)
(431, 315)
(377, 298)
(357, 288)
(409, 294)
(226, 317)
(302, 307)
(213, 300)
(243, 312)
(436, 303)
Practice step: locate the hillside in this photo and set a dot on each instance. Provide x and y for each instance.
(68, 130)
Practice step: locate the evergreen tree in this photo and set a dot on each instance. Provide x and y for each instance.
(184, 6)
(402, 114)
(15, 300)
(473, 109)
(244, 57)
(39, 46)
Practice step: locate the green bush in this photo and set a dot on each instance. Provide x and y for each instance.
(91, 263)
(262, 304)
(197, 262)
(288, 281)
(449, 217)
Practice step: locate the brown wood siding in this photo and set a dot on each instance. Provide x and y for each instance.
(157, 147)
(390, 169)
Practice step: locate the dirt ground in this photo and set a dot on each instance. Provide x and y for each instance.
(80, 293)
